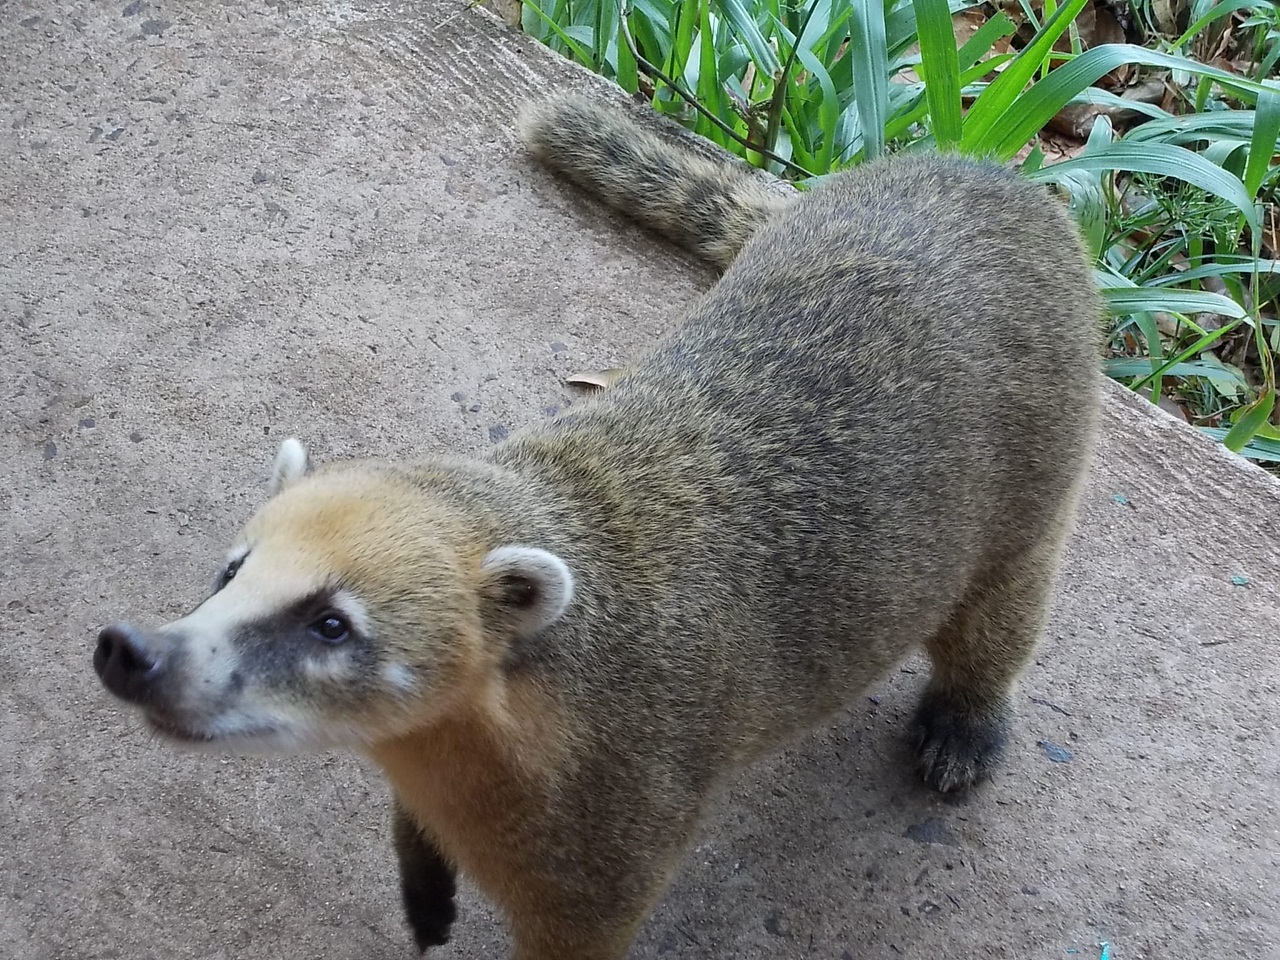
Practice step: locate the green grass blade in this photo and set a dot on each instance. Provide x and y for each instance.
(940, 70)
(604, 29)
(828, 109)
(834, 33)
(980, 44)
(982, 124)
(679, 30)
(1162, 160)
(580, 52)
(1244, 265)
(1259, 448)
(1266, 131)
(651, 23)
(1195, 127)
(1162, 368)
(870, 72)
(628, 76)
(797, 142)
(1220, 8)
(710, 90)
(1155, 353)
(1122, 300)
(1122, 368)
(1041, 103)
(1250, 421)
(748, 31)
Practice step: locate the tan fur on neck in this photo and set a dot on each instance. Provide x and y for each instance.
(474, 779)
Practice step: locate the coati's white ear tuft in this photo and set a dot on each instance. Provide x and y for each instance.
(291, 463)
(526, 587)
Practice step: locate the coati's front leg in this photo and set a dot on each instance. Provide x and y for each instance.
(427, 882)
(963, 719)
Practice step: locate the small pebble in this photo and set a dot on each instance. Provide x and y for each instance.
(1055, 753)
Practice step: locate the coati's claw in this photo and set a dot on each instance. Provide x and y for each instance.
(957, 746)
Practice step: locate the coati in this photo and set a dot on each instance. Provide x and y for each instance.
(869, 436)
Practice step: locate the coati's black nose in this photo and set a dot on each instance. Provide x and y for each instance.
(127, 666)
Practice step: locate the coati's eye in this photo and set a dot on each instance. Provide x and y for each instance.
(229, 573)
(331, 628)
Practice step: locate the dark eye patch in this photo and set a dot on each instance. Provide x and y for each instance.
(229, 572)
(272, 648)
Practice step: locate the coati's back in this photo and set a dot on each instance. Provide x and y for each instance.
(890, 394)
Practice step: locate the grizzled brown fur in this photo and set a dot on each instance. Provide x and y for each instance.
(869, 436)
(710, 207)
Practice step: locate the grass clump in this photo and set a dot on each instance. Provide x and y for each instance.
(1168, 156)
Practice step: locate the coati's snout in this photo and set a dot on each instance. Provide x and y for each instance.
(127, 662)
(253, 665)
(133, 664)
(353, 608)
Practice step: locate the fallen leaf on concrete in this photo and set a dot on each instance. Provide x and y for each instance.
(599, 379)
(508, 10)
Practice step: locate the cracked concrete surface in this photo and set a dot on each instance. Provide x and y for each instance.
(227, 222)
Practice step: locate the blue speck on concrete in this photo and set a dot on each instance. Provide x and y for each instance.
(1121, 499)
(1106, 951)
(1239, 580)
(1055, 753)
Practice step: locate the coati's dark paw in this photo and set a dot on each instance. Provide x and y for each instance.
(958, 746)
(429, 907)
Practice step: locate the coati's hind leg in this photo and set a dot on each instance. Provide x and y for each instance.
(962, 722)
(427, 882)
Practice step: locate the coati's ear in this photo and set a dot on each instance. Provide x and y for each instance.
(291, 463)
(525, 587)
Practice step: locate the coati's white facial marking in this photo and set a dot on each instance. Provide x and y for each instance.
(257, 660)
(399, 677)
(352, 610)
(331, 667)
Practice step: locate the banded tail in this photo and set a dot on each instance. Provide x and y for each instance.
(711, 208)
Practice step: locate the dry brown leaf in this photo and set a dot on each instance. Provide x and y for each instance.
(1075, 120)
(1172, 406)
(1167, 14)
(1097, 26)
(1054, 147)
(597, 380)
(1150, 90)
(509, 10)
(966, 23)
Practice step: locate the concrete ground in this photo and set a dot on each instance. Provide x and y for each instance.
(227, 222)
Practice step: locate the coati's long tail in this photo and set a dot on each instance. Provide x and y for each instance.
(712, 208)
